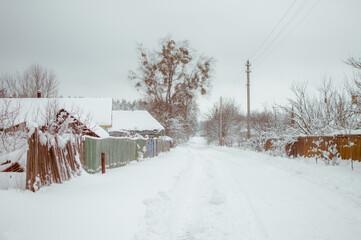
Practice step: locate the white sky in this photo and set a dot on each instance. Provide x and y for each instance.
(91, 45)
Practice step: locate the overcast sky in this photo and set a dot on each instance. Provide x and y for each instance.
(91, 45)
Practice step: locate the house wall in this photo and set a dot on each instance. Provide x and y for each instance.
(105, 127)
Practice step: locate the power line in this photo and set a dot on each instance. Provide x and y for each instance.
(289, 33)
(232, 88)
(274, 29)
(239, 76)
(299, 9)
(235, 78)
(260, 57)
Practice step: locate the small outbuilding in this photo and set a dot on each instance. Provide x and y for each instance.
(130, 123)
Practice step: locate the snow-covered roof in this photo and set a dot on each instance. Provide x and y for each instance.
(134, 121)
(34, 109)
(100, 132)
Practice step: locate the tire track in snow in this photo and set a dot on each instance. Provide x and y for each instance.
(166, 212)
(194, 208)
(207, 220)
(318, 192)
(313, 212)
(256, 226)
(223, 195)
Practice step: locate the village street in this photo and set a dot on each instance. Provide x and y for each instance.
(195, 191)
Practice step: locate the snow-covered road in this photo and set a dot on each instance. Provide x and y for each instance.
(222, 195)
(194, 192)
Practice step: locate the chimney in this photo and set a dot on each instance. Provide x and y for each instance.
(39, 94)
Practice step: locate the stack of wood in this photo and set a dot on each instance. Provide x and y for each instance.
(51, 163)
(15, 167)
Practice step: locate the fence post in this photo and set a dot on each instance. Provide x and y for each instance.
(103, 162)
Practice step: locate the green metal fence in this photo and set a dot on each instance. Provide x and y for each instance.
(118, 151)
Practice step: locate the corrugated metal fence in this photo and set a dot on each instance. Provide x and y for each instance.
(120, 151)
(347, 146)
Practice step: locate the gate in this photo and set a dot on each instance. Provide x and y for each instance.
(150, 148)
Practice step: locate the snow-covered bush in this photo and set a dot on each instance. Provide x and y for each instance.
(283, 147)
(256, 144)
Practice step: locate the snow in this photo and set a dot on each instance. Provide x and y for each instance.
(134, 120)
(13, 180)
(345, 132)
(166, 138)
(100, 131)
(33, 109)
(194, 192)
(16, 156)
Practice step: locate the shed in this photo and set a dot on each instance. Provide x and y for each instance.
(140, 122)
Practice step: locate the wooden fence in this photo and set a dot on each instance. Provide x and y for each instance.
(346, 146)
(52, 162)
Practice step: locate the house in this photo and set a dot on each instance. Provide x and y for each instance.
(18, 116)
(125, 123)
(93, 114)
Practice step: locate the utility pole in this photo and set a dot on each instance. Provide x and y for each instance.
(248, 102)
(220, 122)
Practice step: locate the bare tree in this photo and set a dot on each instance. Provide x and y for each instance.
(354, 86)
(27, 84)
(3, 92)
(352, 119)
(356, 63)
(232, 123)
(12, 136)
(171, 79)
(327, 112)
(301, 109)
(268, 123)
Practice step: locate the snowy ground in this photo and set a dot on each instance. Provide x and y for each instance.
(193, 192)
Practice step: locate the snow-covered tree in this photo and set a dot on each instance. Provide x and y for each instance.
(354, 89)
(327, 112)
(232, 123)
(171, 78)
(123, 104)
(269, 122)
